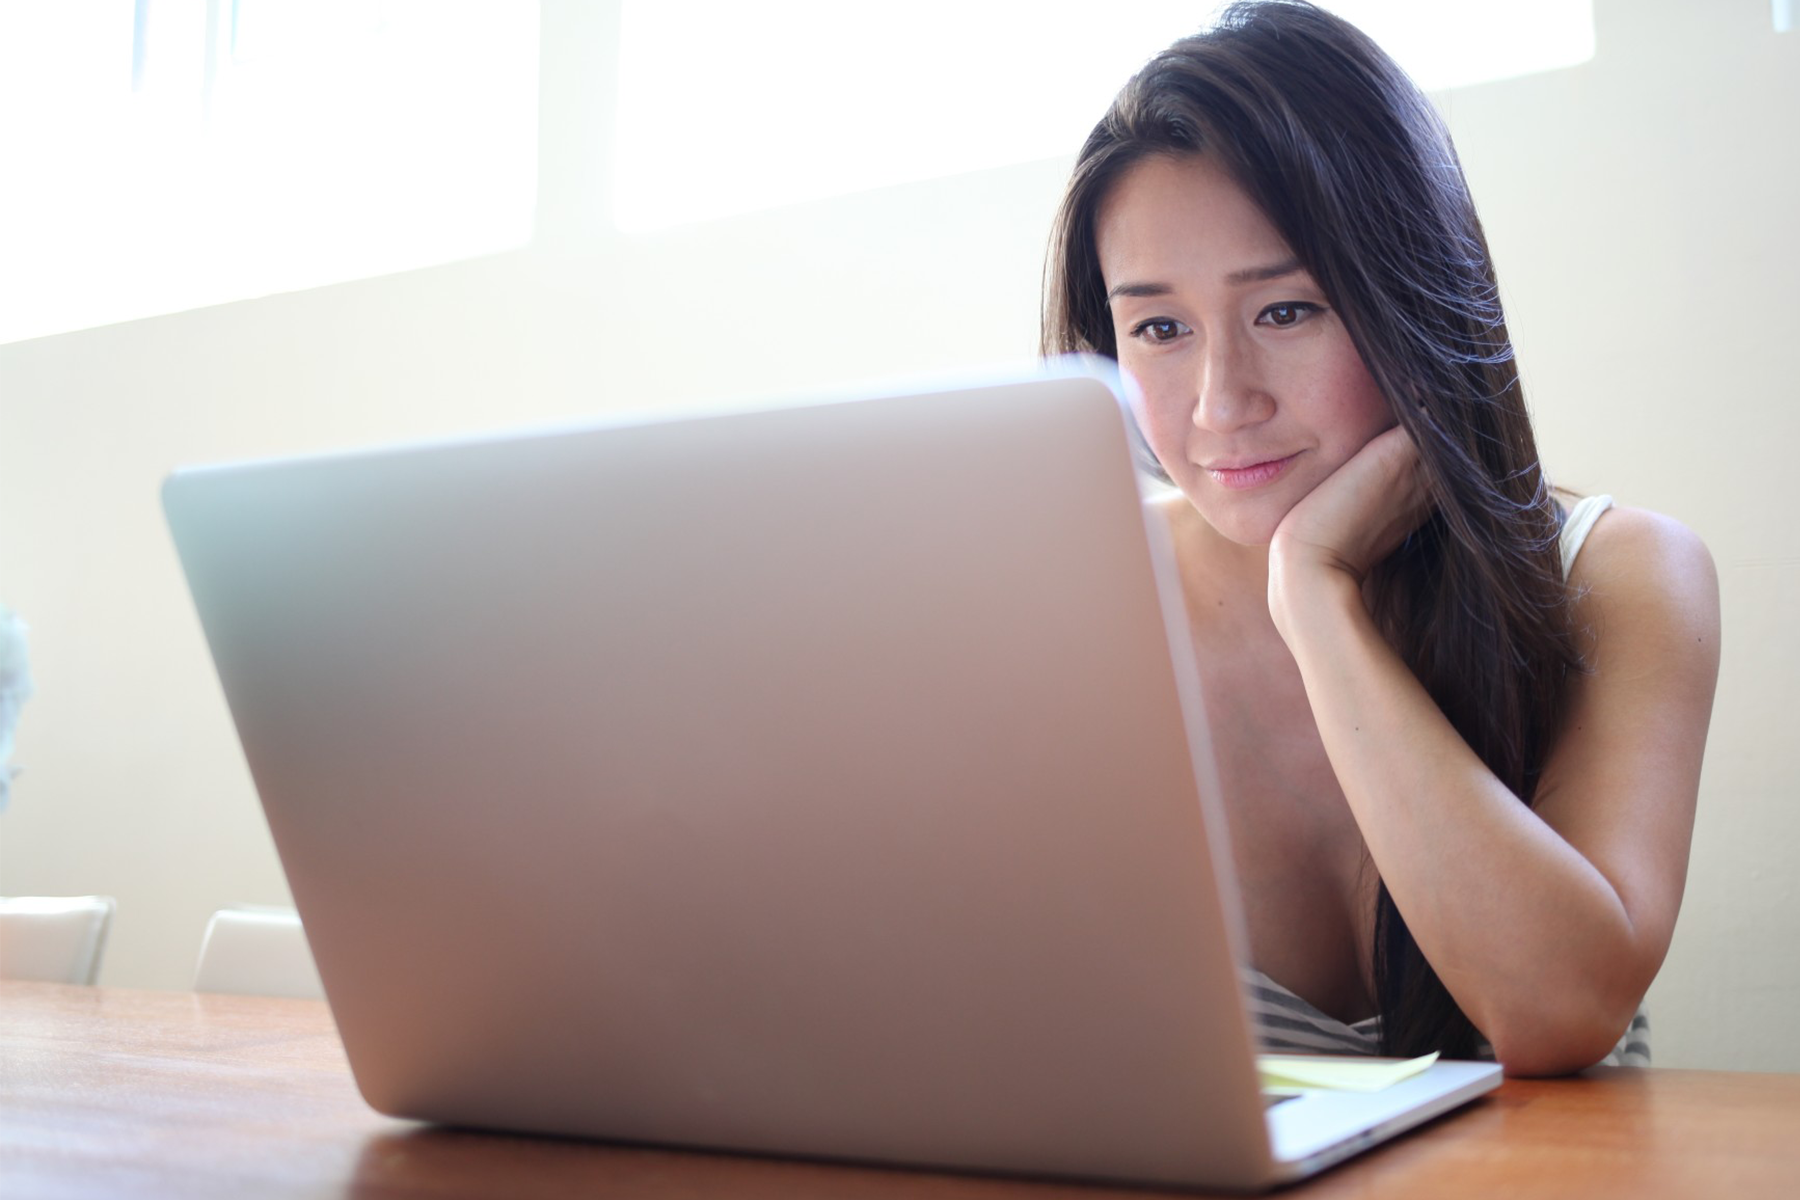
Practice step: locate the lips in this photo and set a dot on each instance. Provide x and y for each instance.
(1241, 475)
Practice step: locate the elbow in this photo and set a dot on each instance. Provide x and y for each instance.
(1547, 1058)
(1560, 1042)
(1564, 1022)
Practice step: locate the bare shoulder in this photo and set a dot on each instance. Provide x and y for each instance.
(1641, 566)
(1628, 542)
(1642, 555)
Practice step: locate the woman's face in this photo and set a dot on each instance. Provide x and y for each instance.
(1252, 391)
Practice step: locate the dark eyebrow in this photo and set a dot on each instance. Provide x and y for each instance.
(1138, 289)
(1262, 274)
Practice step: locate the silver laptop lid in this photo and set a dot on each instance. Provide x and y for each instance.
(825, 780)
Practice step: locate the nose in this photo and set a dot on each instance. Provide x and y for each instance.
(1229, 391)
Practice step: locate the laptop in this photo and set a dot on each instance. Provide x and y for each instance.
(827, 779)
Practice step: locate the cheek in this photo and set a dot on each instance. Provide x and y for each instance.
(1169, 428)
(1159, 416)
(1362, 410)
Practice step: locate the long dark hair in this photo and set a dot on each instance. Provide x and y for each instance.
(1351, 164)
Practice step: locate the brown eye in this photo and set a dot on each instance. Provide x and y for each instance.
(1284, 315)
(1158, 329)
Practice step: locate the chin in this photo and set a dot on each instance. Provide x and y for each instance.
(1258, 534)
(1239, 520)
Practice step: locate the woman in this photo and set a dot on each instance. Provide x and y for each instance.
(1460, 771)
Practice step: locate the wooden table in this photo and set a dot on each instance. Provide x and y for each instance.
(106, 1092)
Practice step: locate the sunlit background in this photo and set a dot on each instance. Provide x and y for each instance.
(167, 154)
(728, 108)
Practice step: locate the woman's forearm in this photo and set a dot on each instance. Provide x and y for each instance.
(1531, 939)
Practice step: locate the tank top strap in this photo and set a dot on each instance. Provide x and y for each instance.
(1578, 524)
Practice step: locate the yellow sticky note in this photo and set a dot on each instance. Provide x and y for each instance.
(1335, 1072)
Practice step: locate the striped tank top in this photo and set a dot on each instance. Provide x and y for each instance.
(1285, 1023)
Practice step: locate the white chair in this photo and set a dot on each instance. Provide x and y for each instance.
(256, 951)
(58, 939)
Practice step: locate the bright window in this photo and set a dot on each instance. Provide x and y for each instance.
(165, 154)
(728, 107)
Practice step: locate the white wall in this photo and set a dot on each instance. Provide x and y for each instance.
(1644, 210)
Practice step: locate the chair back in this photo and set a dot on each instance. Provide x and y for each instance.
(257, 952)
(58, 939)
